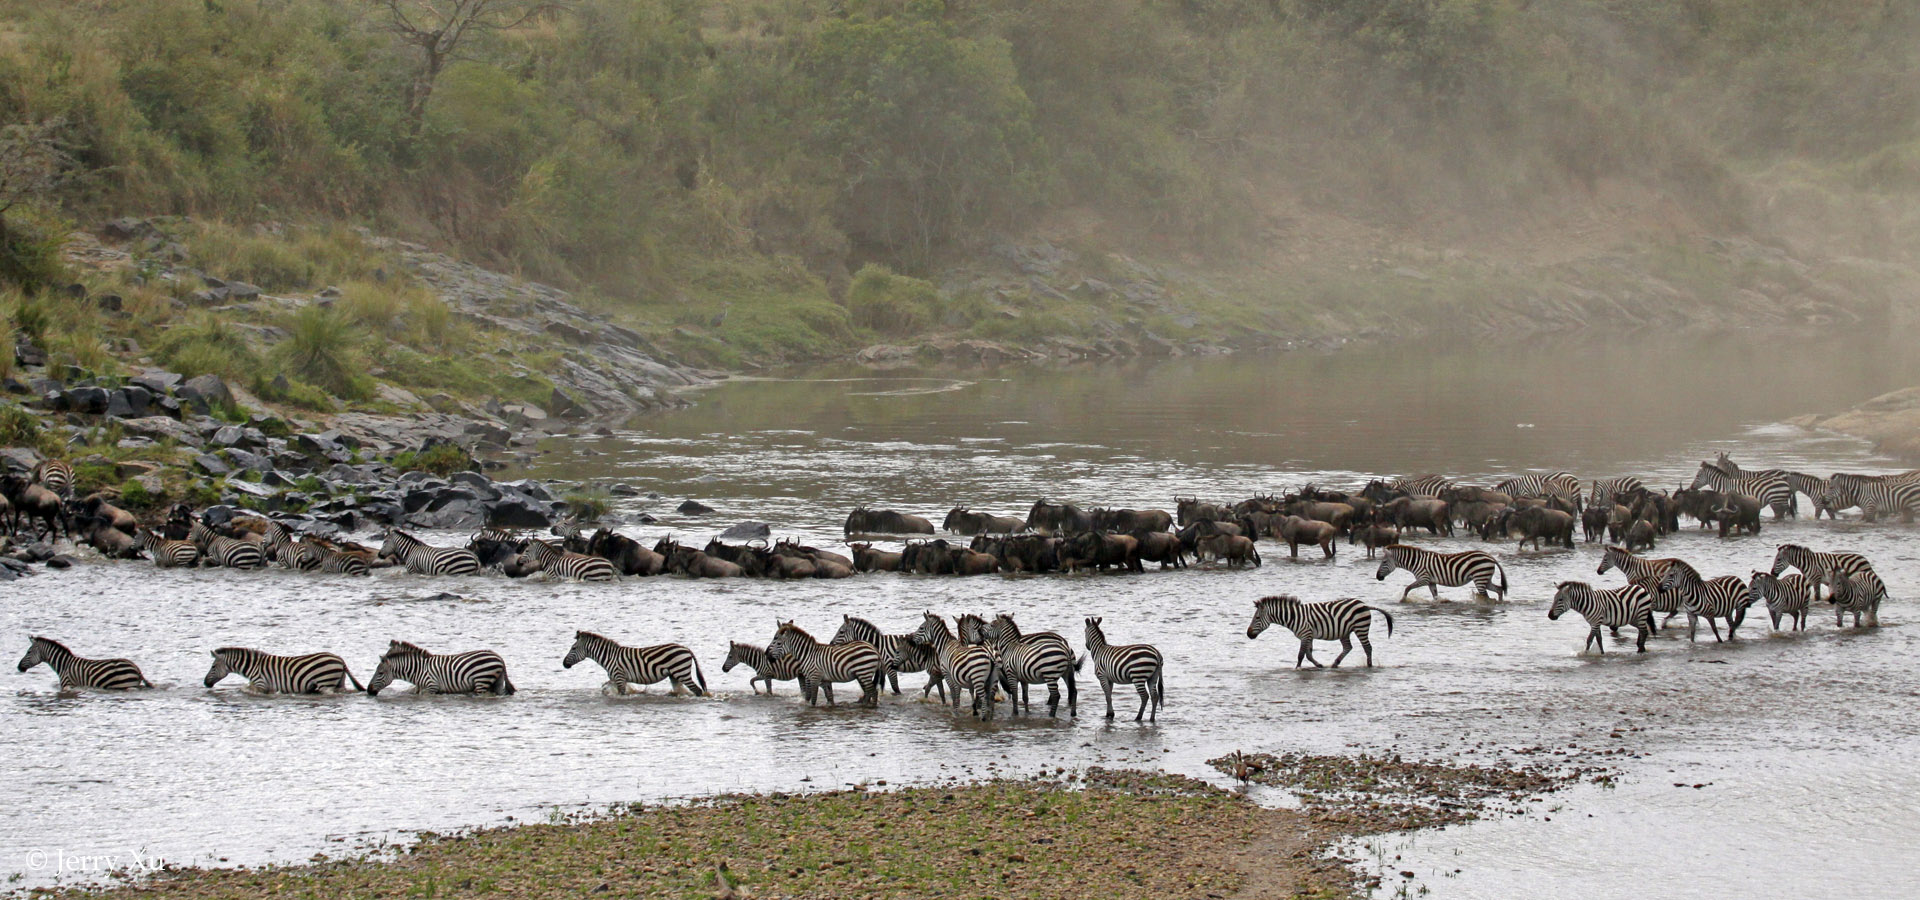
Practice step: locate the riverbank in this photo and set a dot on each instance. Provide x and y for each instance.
(1891, 421)
(1111, 833)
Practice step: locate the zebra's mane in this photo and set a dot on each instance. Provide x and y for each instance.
(1276, 600)
(802, 632)
(36, 639)
(406, 648)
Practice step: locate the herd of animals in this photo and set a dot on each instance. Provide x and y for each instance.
(982, 658)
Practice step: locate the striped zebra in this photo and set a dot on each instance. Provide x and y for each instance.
(329, 561)
(1423, 485)
(1435, 570)
(965, 666)
(55, 475)
(78, 672)
(1630, 605)
(471, 672)
(1326, 620)
(764, 668)
(1557, 484)
(1028, 659)
(421, 558)
(640, 665)
(1137, 664)
(279, 547)
(822, 665)
(1816, 565)
(1786, 596)
(1648, 573)
(1860, 593)
(1813, 486)
(218, 550)
(167, 554)
(1603, 490)
(1725, 597)
(898, 653)
(1772, 491)
(1874, 495)
(266, 673)
(566, 564)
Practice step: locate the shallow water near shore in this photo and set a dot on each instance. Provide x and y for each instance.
(1803, 745)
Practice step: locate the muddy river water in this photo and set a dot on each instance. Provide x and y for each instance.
(1799, 754)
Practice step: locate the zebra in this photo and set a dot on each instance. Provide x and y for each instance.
(1874, 494)
(1327, 620)
(1771, 490)
(1855, 594)
(1786, 596)
(764, 668)
(278, 545)
(1725, 597)
(472, 672)
(167, 554)
(55, 475)
(78, 672)
(640, 665)
(423, 559)
(1432, 570)
(216, 550)
(1423, 485)
(821, 665)
(1603, 490)
(1630, 605)
(1813, 486)
(334, 562)
(1816, 565)
(567, 564)
(898, 653)
(266, 673)
(1648, 573)
(1557, 484)
(964, 666)
(1140, 665)
(1039, 658)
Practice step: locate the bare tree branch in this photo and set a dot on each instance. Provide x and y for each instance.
(441, 28)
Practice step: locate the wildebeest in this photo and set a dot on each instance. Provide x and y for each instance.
(1640, 535)
(1189, 510)
(1235, 549)
(100, 533)
(1374, 536)
(99, 505)
(1703, 504)
(682, 560)
(1092, 548)
(1411, 512)
(1335, 514)
(31, 501)
(1536, 524)
(1739, 513)
(967, 561)
(961, 520)
(1027, 553)
(1162, 547)
(1191, 535)
(1057, 518)
(826, 564)
(1593, 521)
(885, 521)
(1296, 531)
(867, 559)
(626, 554)
(1127, 521)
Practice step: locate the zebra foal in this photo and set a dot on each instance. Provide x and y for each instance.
(1630, 605)
(764, 667)
(266, 673)
(641, 665)
(1433, 570)
(898, 653)
(821, 665)
(423, 559)
(1140, 665)
(471, 672)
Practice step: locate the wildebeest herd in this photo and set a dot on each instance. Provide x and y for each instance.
(982, 658)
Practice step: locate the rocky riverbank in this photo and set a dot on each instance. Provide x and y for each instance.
(1117, 834)
(1891, 421)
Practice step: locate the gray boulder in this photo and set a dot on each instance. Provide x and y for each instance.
(747, 531)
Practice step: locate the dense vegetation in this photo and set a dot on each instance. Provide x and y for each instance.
(670, 155)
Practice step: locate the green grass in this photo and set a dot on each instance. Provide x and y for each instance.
(323, 348)
(440, 459)
(291, 259)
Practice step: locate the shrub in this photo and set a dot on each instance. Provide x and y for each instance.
(207, 346)
(888, 303)
(18, 427)
(134, 495)
(440, 459)
(587, 505)
(323, 349)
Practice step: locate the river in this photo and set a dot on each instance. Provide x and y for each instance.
(1802, 746)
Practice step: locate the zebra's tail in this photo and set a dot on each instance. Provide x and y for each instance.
(1385, 615)
(505, 688)
(1160, 687)
(349, 673)
(1497, 567)
(700, 677)
(1079, 661)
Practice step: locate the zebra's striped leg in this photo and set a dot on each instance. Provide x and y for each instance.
(1053, 699)
(893, 680)
(826, 687)
(1692, 626)
(1145, 698)
(1346, 647)
(1366, 644)
(1107, 686)
(870, 691)
(1714, 625)
(1073, 696)
(1593, 640)
(1306, 647)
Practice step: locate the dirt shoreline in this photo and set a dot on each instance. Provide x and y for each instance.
(1891, 421)
(1108, 833)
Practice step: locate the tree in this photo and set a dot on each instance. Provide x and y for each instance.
(442, 30)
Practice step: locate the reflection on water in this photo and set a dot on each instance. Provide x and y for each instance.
(1806, 741)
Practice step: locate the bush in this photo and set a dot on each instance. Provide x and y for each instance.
(440, 459)
(208, 346)
(889, 303)
(135, 496)
(323, 349)
(30, 255)
(587, 505)
(18, 426)
(291, 390)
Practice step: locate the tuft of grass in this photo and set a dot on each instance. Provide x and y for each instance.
(891, 304)
(207, 345)
(587, 504)
(18, 426)
(289, 259)
(323, 348)
(440, 459)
